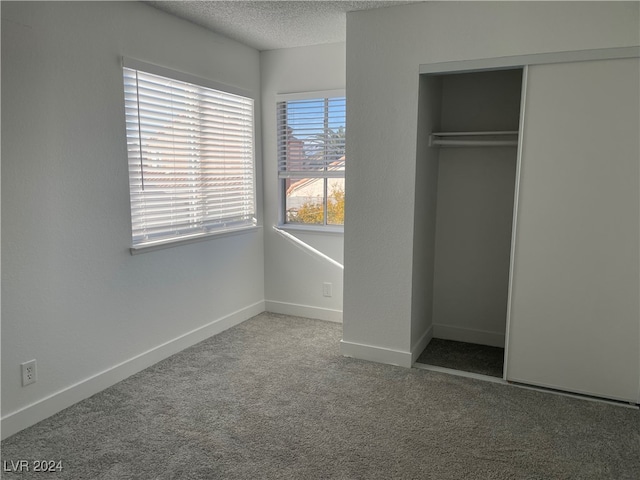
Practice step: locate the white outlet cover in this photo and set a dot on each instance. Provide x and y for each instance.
(29, 372)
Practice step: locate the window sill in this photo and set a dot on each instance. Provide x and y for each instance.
(331, 229)
(160, 245)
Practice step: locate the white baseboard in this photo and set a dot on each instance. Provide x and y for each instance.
(481, 337)
(307, 311)
(376, 354)
(54, 403)
(421, 344)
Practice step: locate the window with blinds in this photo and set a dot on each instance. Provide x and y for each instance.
(311, 160)
(191, 159)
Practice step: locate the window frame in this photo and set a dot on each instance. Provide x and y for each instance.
(306, 227)
(186, 238)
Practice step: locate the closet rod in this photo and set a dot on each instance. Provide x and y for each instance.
(440, 139)
(475, 143)
(473, 134)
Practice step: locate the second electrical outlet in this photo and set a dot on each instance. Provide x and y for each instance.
(326, 289)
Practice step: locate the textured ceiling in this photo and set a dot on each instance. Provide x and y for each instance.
(267, 25)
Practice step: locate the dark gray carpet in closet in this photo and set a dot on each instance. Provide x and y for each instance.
(468, 357)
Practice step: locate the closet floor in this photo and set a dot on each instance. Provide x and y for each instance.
(468, 357)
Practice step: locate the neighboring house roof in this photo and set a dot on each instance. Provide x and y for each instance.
(314, 187)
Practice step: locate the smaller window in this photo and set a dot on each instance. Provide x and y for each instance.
(191, 159)
(311, 160)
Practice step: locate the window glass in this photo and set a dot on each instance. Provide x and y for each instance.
(311, 160)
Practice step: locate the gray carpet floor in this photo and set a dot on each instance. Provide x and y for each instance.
(468, 357)
(273, 398)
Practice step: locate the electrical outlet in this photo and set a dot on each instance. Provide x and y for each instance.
(29, 374)
(326, 289)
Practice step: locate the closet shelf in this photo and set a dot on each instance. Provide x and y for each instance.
(474, 139)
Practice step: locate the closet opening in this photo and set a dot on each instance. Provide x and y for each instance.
(467, 156)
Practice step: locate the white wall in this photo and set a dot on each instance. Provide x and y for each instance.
(293, 276)
(73, 296)
(384, 50)
(473, 244)
(425, 207)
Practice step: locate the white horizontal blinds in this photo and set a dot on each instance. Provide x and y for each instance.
(311, 137)
(191, 158)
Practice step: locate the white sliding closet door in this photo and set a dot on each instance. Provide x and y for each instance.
(575, 312)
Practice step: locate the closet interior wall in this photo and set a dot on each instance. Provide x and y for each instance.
(474, 204)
